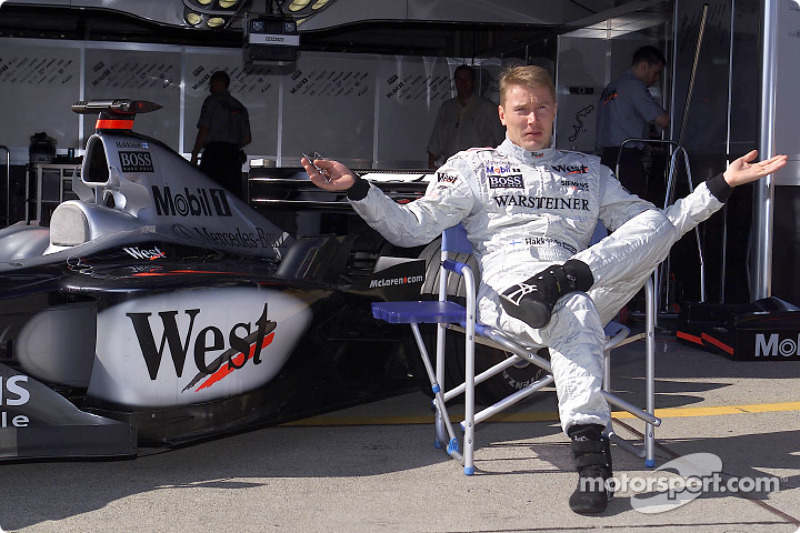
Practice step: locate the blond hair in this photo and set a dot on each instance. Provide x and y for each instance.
(527, 76)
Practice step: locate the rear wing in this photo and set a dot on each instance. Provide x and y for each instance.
(290, 189)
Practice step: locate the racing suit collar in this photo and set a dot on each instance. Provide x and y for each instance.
(510, 149)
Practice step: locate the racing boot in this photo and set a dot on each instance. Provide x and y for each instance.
(592, 455)
(532, 300)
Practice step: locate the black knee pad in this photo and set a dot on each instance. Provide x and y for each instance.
(532, 300)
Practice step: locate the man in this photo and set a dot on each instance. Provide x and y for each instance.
(223, 129)
(528, 209)
(464, 121)
(625, 111)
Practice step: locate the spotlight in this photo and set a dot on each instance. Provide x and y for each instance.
(301, 9)
(193, 18)
(297, 5)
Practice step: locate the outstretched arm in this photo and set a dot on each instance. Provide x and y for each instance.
(743, 171)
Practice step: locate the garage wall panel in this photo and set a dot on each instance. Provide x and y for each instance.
(367, 110)
(38, 84)
(328, 107)
(140, 74)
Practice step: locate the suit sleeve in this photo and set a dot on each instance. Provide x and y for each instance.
(447, 201)
(617, 205)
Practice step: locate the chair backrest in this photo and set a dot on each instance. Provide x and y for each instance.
(454, 239)
(600, 233)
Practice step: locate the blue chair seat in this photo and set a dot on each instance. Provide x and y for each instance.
(443, 312)
(423, 312)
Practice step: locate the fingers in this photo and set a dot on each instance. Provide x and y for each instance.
(316, 176)
(770, 165)
(777, 160)
(749, 156)
(307, 165)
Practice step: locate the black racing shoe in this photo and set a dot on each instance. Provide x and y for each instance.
(592, 456)
(532, 300)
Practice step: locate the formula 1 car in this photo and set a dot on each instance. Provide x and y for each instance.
(158, 309)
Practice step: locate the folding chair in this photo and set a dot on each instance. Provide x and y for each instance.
(447, 314)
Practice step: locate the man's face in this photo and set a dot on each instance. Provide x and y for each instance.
(465, 85)
(528, 114)
(215, 86)
(652, 73)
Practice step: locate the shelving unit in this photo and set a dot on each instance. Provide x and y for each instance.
(48, 185)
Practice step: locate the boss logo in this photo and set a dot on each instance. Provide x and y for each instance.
(506, 182)
(136, 161)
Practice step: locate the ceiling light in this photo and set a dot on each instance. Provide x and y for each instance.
(193, 18)
(215, 22)
(204, 2)
(297, 5)
(225, 4)
(319, 4)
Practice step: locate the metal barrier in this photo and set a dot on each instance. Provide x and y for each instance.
(661, 275)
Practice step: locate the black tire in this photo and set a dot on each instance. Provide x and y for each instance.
(490, 391)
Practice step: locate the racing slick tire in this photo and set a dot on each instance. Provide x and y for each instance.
(492, 390)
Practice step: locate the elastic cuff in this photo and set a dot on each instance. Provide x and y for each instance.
(719, 188)
(359, 190)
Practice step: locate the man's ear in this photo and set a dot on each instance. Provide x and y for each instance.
(502, 113)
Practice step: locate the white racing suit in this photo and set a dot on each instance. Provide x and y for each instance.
(524, 211)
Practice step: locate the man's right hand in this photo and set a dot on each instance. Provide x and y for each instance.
(339, 178)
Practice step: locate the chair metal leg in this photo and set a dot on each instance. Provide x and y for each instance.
(442, 416)
(646, 415)
(650, 371)
(469, 405)
(469, 378)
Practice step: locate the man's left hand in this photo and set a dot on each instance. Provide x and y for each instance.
(743, 170)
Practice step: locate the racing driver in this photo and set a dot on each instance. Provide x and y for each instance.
(530, 211)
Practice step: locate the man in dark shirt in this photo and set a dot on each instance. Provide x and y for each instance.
(625, 111)
(222, 130)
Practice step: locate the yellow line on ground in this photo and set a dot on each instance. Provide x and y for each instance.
(679, 412)
(542, 416)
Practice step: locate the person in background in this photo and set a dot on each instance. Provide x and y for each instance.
(223, 129)
(626, 110)
(529, 211)
(465, 121)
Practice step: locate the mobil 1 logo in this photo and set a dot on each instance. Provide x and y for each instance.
(136, 161)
